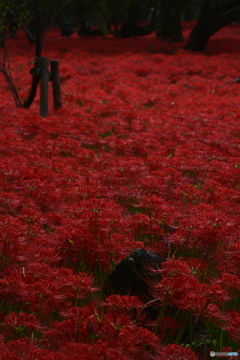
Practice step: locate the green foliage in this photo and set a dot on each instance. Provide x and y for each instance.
(12, 15)
(3, 14)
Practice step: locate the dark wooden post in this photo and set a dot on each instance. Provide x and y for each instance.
(55, 76)
(44, 80)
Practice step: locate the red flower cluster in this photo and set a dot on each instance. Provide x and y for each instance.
(144, 153)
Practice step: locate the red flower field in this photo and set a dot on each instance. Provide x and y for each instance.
(148, 139)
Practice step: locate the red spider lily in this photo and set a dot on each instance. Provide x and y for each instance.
(219, 294)
(229, 282)
(126, 156)
(123, 302)
(15, 320)
(140, 224)
(176, 268)
(185, 292)
(19, 325)
(196, 265)
(191, 301)
(108, 321)
(16, 349)
(167, 328)
(62, 333)
(89, 352)
(234, 325)
(214, 313)
(77, 313)
(44, 289)
(139, 343)
(112, 323)
(74, 286)
(130, 307)
(10, 244)
(173, 352)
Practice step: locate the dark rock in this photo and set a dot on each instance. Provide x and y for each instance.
(134, 275)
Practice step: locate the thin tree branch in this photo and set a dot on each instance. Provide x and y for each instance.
(56, 15)
(11, 85)
(231, 15)
(21, 23)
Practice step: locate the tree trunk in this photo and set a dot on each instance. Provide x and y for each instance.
(38, 54)
(101, 7)
(168, 20)
(191, 10)
(129, 27)
(214, 15)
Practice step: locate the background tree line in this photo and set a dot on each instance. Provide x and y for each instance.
(122, 18)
